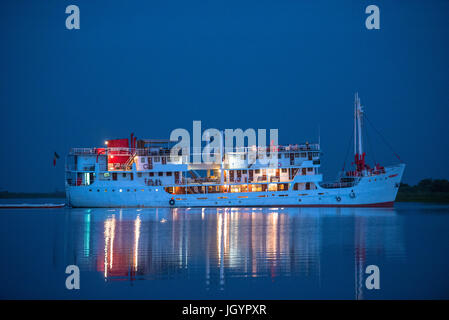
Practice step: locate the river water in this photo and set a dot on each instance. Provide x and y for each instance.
(226, 253)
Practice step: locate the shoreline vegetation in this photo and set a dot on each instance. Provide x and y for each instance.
(427, 190)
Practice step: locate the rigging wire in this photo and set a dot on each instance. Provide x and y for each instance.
(370, 146)
(383, 138)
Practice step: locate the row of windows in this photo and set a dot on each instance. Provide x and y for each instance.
(286, 155)
(169, 173)
(123, 190)
(152, 174)
(257, 171)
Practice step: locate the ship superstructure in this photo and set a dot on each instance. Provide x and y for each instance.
(145, 173)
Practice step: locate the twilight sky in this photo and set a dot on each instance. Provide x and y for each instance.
(152, 66)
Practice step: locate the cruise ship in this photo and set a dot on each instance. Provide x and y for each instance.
(146, 173)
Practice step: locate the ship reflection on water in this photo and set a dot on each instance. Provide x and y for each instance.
(217, 246)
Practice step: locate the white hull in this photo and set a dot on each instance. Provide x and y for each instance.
(370, 191)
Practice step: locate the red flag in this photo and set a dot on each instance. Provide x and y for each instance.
(56, 156)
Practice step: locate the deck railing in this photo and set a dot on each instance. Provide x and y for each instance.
(166, 151)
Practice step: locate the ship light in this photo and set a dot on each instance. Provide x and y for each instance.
(106, 142)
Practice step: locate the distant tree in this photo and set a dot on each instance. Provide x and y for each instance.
(440, 185)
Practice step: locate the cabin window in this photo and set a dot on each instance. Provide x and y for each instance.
(169, 174)
(157, 159)
(284, 170)
(160, 174)
(309, 169)
(151, 174)
(142, 159)
(139, 174)
(303, 155)
(286, 155)
(279, 155)
(124, 175)
(296, 155)
(114, 176)
(257, 171)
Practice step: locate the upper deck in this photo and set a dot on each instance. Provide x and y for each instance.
(147, 158)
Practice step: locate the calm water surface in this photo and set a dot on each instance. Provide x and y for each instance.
(233, 253)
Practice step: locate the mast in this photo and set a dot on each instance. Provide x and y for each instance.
(359, 124)
(359, 155)
(355, 123)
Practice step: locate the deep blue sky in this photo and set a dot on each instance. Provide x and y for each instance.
(151, 66)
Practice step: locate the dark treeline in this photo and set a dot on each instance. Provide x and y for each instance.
(427, 190)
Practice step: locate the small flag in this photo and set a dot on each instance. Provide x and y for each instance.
(56, 156)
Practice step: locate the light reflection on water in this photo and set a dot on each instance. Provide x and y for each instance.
(218, 245)
(226, 253)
